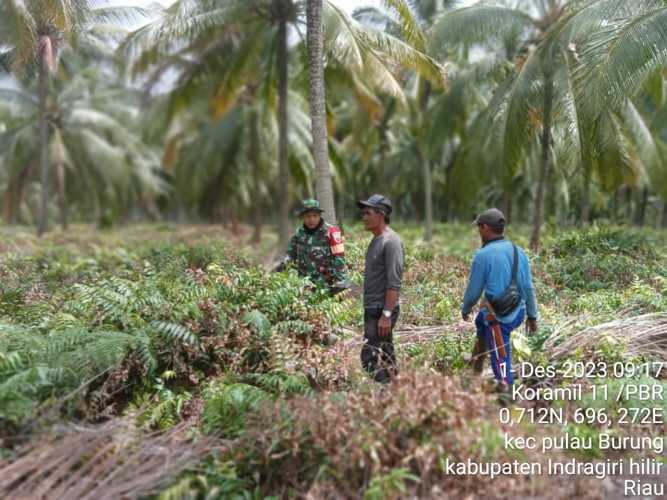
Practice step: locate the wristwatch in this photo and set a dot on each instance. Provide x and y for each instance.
(386, 313)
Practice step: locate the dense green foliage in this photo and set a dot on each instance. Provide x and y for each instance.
(200, 110)
(444, 120)
(166, 325)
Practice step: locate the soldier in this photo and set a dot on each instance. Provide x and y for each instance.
(317, 250)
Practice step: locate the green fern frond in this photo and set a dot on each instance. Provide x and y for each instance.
(145, 353)
(279, 383)
(175, 332)
(257, 320)
(180, 491)
(225, 406)
(10, 362)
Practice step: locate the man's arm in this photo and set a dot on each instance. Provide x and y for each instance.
(394, 270)
(475, 286)
(337, 254)
(339, 271)
(289, 257)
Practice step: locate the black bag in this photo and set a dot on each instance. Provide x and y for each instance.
(510, 299)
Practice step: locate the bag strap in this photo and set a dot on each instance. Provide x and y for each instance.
(515, 263)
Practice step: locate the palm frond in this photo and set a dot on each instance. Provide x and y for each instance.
(478, 24)
(122, 15)
(616, 60)
(384, 46)
(641, 137)
(373, 52)
(577, 142)
(521, 112)
(183, 23)
(18, 97)
(19, 29)
(410, 28)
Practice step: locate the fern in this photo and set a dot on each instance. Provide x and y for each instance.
(259, 322)
(179, 491)
(225, 406)
(175, 332)
(10, 362)
(35, 366)
(280, 383)
(391, 484)
(143, 349)
(170, 404)
(64, 321)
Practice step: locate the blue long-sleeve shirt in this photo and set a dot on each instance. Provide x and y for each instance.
(491, 274)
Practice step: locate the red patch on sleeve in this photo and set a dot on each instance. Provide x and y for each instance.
(336, 241)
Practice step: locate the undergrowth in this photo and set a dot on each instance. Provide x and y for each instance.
(165, 329)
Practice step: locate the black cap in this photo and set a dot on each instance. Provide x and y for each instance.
(378, 202)
(492, 217)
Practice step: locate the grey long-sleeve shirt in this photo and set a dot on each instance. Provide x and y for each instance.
(383, 268)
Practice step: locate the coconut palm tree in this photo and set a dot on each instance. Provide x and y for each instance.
(315, 47)
(410, 21)
(548, 85)
(36, 31)
(222, 49)
(99, 160)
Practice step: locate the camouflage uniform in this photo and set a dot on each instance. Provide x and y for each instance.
(318, 253)
(313, 256)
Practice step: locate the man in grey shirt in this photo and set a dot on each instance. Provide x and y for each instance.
(382, 284)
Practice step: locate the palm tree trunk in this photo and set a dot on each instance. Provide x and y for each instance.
(44, 147)
(341, 207)
(257, 175)
(642, 201)
(615, 203)
(9, 201)
(315, 44)
(62, 200)
(449, 170)
(508, 200)
(629, 205)
(426, 165)
(383, 138)
(428, 201)
(283, 166)
(586, 196)
(545, 163)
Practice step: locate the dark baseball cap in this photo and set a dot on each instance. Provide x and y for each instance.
(492, 217)
(378, 202)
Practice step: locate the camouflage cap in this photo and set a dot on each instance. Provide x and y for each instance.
(309, 205)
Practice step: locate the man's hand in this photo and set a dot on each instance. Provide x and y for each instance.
(384, 326)
(465, 316)
(282, 265)
(531, 325)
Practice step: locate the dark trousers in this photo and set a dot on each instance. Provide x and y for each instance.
(377, 354)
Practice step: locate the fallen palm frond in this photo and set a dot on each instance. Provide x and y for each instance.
(407, 334)
(114, 460)
(644, 335)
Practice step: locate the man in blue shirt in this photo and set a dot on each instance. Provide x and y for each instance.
(491, 274)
